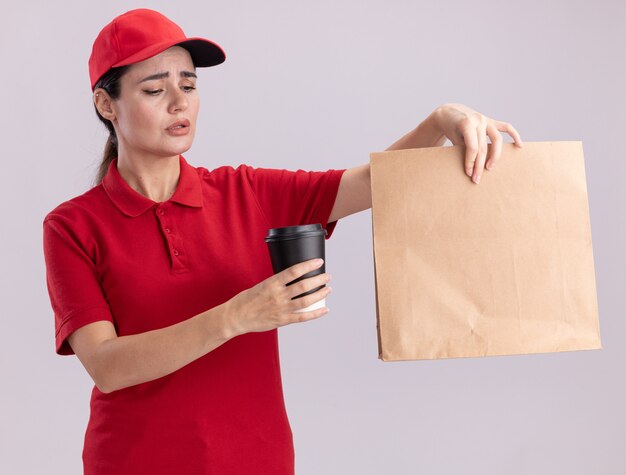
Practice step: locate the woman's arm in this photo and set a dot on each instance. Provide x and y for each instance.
(355, 189)
(456, 122)
(115, 362)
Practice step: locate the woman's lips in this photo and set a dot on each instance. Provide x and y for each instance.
(180, 127)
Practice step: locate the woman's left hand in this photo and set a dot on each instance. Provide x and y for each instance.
(464, 126)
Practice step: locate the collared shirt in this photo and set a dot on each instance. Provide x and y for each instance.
(113, 254)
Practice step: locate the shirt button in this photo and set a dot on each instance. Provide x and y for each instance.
(167, 230)
(175, 252)
(161, 212)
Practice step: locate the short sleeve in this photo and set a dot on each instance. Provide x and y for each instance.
(73, 284)
(291, 198)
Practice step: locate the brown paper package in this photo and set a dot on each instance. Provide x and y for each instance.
(501, 267)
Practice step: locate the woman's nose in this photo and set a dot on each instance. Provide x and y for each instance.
(178, 100)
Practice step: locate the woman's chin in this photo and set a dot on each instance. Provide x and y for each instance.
(179, 145)
(175, 149)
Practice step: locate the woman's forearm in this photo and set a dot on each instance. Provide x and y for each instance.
(424, 135)
(133, 359)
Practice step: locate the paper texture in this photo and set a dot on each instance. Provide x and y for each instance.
(496, 268)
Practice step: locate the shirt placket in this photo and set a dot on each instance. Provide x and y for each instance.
(175, 247)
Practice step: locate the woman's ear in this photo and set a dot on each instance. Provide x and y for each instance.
(103, 103)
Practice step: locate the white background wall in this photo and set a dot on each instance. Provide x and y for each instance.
(318, 85)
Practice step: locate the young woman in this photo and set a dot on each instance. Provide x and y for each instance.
(159, 276)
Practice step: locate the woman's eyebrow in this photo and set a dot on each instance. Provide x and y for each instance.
(184, 74)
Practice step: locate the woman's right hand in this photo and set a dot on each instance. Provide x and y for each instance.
(268, 304)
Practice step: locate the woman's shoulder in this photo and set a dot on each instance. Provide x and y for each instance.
(72, 209)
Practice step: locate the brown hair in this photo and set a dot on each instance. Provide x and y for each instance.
(110, 82)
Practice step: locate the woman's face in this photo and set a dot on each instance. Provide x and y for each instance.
(156, 112)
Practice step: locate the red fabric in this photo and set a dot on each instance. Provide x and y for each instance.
(140, 34)
(109, 256)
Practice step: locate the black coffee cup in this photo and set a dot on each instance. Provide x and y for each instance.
(291, 245)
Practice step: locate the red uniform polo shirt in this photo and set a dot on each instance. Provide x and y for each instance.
(113, 254)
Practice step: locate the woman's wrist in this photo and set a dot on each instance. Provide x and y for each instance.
(221, 323)
(426, 134)
(431, 134)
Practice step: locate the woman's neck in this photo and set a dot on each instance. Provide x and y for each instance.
(154, 178)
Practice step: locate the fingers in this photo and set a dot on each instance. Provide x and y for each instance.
(509, 129)
(479, 163)
(471, 147)
(270, 303)
(496, 146)
(310, 315)
(306, 285)
(294, 272)
(476, 148)
(307, 300)
(293, 293)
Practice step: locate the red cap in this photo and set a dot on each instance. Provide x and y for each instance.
(140, 34)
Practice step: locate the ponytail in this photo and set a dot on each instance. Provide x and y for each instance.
(110, 82)
(110, 152)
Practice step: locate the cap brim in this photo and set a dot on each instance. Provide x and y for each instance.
(204, 53)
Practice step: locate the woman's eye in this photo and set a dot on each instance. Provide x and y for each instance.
(152, 92)
(188, 88)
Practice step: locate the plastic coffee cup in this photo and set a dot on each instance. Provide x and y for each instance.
(291, 245)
